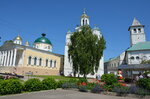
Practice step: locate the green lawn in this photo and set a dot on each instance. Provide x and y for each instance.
(55, 77)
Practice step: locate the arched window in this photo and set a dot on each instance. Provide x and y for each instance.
(40, 62)
(54, 63)
(139, 30)
(46, 62)
(51, 63)
(134, 30)
(35, 61)
(132, 57)
(29, 60)
(83, 21)
(137, 57)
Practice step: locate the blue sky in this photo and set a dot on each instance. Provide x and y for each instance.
(30, 18)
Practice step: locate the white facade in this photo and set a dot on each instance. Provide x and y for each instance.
(8, 58)
(136, 57)
(68, 70)
(137, 52)
(43, 46)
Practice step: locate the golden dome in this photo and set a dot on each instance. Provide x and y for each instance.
(27, 43)
(18, 38)
(84, 15)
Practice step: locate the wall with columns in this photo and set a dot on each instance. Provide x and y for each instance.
(8, 57)
(14, 59)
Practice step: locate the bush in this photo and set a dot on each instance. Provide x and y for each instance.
(10, 87)
(90, 85)
(142, 92)
(139, 91)
(128, 80)
(144, 83)
(108, 87)
(60, 83)
(68, 85)
(146, 74)
(97, 89)
(83, 88)
(1, 77)
(121, 90)
(33, 85)
(133, 89)
(109, 79)
(72, 80)
(49, 83)
(81, 80)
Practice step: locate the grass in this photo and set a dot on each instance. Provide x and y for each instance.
(55, 77)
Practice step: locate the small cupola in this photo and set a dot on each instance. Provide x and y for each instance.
(43, 43)
(18, 40)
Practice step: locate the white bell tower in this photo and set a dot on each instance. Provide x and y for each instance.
(137, 33)
(84, 19)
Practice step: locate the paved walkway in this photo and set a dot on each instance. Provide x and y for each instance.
(61, 94)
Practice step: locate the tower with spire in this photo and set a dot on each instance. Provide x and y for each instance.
(137, 33)
(84, 19)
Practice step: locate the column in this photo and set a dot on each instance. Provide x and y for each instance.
(2, 61)
(14, 59)
(11, 58)
(5, 59)
(0, 58)
(8, 58)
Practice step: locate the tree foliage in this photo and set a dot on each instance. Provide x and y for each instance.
(145, 62)
(85, 51)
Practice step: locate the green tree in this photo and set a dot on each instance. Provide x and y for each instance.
(85, 51)
(145, 62)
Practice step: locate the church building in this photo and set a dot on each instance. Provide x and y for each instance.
(68, 68)
(130, 61)
(25, 59)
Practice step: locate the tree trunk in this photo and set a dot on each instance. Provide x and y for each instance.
(84, 75)
(74, 74)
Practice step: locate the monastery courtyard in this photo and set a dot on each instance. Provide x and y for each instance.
(61, 94)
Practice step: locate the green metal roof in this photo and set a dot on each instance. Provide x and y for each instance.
(140, 46)
(110, 59)
(43, 39)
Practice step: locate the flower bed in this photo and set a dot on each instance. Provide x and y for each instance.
(107, 85)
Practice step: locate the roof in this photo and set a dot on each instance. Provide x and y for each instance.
(84, 15)
(18, 38)
(136, 22)
(110, 59)
(140, 46)
(135, 67)
(12, 45)
(43, 39)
